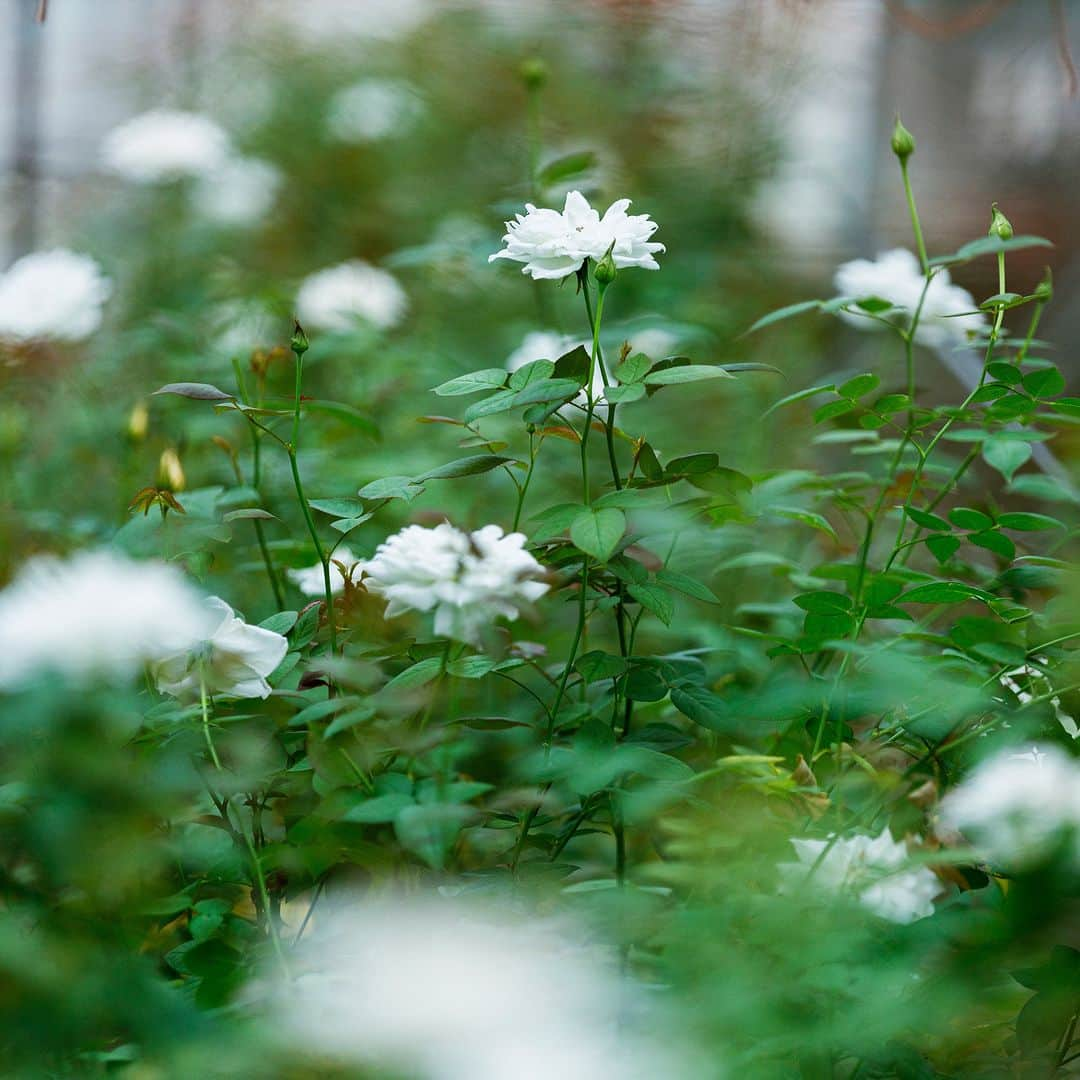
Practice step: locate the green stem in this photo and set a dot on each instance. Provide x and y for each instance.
(206, 720)
(324, 558)
(915, 223)
(589, 385)
(524, 486)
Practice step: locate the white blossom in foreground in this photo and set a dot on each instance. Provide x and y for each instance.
(52, 296)
(241, 192)
(232, 658)
(554, 243)
(165, 144)
(467, 579)
(549, 345)
(445, 991)
(96, 614)
(873, 869)
(1018, 808)
(337, 297)
(309, 580)
(948, 311)
(371, 109)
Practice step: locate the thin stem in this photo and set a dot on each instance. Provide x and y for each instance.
(524, 486)
(915, 224)
(206, 719)
(323, 557)
(589, 387)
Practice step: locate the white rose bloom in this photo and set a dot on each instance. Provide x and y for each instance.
(554, 244)
(441, 990)
(872, 869)
(96, 614)
(948, 312)
(335, 298)
(1017, 808)
(241, 192)
(165, 144)
(548, 345)
(310, 582)
(233, 658)
(468, 579)
(372, 109)
(52, 295)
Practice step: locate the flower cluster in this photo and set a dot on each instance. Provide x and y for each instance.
(554, 244)
(948, 313)
(52, 296)
(467, 579)
(873, 869)
(165, 144)
(337, 297)
(1019, 808)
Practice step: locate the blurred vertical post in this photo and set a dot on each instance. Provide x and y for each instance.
(26, 125)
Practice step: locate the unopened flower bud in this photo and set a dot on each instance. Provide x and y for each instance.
(1044, 291)
(299, 340)
(259, 362)
(606, 270)
(1000, 226)
(138, 422)
(170, 471)
(534, 73)
(903, 142)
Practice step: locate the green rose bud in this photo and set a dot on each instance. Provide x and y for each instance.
(606, 270)
(299, 341)
(1000, 226)
(1044, 291)
(534, 73)
(903, 142)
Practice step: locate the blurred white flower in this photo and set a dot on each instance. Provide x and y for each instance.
(1018, 808)
(238, 327)
(442, 990)
(94, 614)
(52, 295)
(549, 345)
(372, 109)
(165, 144)
(554, 244)
(309, 580)
(468, 579)
(232, 658)
(872, 869)
(335, 298)
(948, 312)
(241, 192)
(654, 341)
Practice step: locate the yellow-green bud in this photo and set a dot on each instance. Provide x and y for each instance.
(299, 341)
(606, 271)
(534, 73)
(170, 471)
(1000, 226)
(138, 422)
(1044, 291)
(903, 142)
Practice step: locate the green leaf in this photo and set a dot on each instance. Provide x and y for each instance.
(502, 401)
(832, 409)
(942, 592)
(530, 373)
(392, 487)
(964, 517)
(598, 532)
(471, 667)
(692, 464)
(650, 465)
(943, 548)
(1005, 372)
(685, 584)
(319, 710)
(346, 414)
(992, 245)
(339, 508)
(197, 391)
(927, 520)
(799, 395)
(1029, 522)
(656, 599)
(565, 166)
(994, 541)
(785, 313)
(631, 392)
(379, 810)
(824, 602)
(554, 520)
(858, 386)
(250, 513)
(349, 719)
(281, 623)
(1006, 455)
(420, 674)
(633, 369)
(807, 517)
(685, 373)
(488, 379)
(596, 665)
(545, 390)
(466, 466)
(575, 365)
(1045, 382)
(430, 831)
(705, 708)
